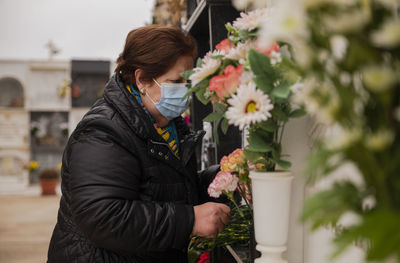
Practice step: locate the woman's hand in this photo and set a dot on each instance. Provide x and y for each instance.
(210, 219)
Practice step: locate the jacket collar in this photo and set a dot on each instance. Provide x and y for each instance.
(132, 112)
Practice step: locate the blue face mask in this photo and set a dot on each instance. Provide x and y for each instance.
(171, 104)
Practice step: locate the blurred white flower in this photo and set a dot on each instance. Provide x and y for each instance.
(251, 20)
(285, 22)
(339, 46)
(397, 114)
(379, 78)
(345, 78)
(250, 105)
(343, 138)
(242, 4)
(302, 53)
(346, 22)
(389, 3)
(388, 35)
(316, 3)
(379, 140)
(320, 99)
(208, 67)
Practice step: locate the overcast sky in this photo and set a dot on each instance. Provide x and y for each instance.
(85, 29)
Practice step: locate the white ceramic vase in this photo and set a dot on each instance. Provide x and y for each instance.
(271, 204)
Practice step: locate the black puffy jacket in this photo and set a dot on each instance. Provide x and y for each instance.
(125, 195)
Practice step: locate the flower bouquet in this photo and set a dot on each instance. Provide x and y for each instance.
(250, 87)
(348, 56)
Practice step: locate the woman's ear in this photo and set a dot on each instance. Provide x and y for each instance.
(140, 83)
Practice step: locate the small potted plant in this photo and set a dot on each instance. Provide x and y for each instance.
(48, 181)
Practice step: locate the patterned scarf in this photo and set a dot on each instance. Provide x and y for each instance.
(169, 133)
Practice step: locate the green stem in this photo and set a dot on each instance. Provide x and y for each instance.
(230, 196)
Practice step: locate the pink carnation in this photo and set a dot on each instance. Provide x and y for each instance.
(224, 181)
(204, 258)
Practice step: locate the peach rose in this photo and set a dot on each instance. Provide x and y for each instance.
(225, 45)
(225, 85)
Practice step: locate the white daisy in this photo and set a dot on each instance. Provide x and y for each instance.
(208, 67)
(248, 106)
(251, 20)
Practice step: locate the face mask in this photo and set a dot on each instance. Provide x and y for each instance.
(171, 104)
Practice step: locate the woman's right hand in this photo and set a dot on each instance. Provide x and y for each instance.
(210, 219)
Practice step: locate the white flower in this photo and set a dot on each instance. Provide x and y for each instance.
(315, 3)
(320, 99)
(396, 114)
(214, 53)
(275, 57)
(391, 4)
(343, 138)
(241, 4)
(379, 140)
(240, 51)
(246, 77)
(251, 20)
(388, 35)
(208, 67)
(379, 78)
(224, 181)
(339, 46)
(248, 106)
(285, 22)
(346, 22)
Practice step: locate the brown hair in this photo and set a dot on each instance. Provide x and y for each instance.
(154, 49)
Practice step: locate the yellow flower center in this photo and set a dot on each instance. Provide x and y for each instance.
(251, 106)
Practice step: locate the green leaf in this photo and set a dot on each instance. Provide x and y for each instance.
(282, 91)
(219, 108)
(297, 113)
(201, 98)
(279, 115)
(199, 63)
(283, 164)
(379, 229)
(215, 129)
(326, 207)
(224, 126)
(186, 74)
(265, 74)
(257, 144)
(268, 125)
(253, 157)
(212, 117)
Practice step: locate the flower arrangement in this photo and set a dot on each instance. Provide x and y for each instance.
(347, 54)
(248, 87)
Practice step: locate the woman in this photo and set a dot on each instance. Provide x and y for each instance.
(131, 192)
